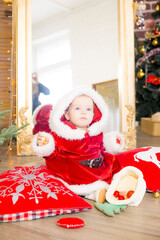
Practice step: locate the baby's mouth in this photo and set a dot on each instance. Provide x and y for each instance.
(83, 118)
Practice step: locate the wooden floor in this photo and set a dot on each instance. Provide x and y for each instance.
(138, 223)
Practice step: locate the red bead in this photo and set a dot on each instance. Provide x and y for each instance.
(116, 194)
(156, 32)
(70, 222)
(130, 193)
(121, 197)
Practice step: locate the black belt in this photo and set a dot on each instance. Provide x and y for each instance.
(93, 163)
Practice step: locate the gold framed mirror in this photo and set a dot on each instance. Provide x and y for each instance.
(22, 31)
(126, 79)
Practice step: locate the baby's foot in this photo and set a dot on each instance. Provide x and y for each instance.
(101, 195)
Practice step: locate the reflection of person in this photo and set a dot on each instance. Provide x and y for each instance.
(74, 149)
(37, 88)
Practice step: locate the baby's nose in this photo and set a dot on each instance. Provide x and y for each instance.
(83, 111)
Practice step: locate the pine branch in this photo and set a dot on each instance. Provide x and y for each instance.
(4, 112)
(10, 132)
(2, 118)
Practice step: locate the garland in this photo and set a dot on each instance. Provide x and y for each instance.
(147, 55)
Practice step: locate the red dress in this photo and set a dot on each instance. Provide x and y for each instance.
(69, 147)
(64, 162)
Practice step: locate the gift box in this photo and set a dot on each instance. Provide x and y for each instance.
(150, 127)
(156, 117)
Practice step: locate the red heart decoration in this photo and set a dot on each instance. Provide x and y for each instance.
(70, 222)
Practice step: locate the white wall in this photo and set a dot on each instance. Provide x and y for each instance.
(94, 41)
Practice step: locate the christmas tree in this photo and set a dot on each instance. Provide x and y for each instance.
(148, 75)
(10, 132)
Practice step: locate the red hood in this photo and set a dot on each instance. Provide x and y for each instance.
(62, 128)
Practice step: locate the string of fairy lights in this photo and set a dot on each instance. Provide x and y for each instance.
(12, 82)
(10, 76)
(140, 15)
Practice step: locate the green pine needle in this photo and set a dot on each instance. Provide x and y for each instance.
(4, 112)
(8, 133)
(12, 131)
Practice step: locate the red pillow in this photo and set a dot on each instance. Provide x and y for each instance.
(28, 193)
(147, 160)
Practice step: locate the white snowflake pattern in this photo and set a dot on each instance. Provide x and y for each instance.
(39, 181)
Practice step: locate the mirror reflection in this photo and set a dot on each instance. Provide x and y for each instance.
(147, 72)
(73, 43)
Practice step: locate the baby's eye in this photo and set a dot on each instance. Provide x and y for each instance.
(89, 109)
(77, 108)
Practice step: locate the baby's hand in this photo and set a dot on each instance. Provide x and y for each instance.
(41, 140)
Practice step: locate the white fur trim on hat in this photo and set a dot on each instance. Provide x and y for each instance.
(139, 192)
(63, 130)
(44, 150)
(34, 116)
(110, 144)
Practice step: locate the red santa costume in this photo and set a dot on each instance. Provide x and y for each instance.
(40, 118)
(83, 161)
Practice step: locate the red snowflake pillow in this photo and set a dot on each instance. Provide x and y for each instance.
(28, 193)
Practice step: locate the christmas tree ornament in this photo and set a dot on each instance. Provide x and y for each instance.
(153, 79)
(142, 49)
(140, 74)
(44, 140)
(156, 32)
(155, 42)
(156, 195)
(157, 7)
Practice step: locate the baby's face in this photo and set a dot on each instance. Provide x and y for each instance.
(81, 112)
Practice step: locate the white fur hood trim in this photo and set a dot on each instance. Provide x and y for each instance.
(34, 116)
(44, 150)
(63, 130)
(86, 189)
(138, 195)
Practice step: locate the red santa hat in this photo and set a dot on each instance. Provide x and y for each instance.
(127, 180)
(98, 124)
(41, 117)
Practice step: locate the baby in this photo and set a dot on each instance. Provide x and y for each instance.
(75, 150)
(80, 113)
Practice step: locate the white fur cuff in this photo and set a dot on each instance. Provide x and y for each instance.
(110, 142)
(44, 150)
